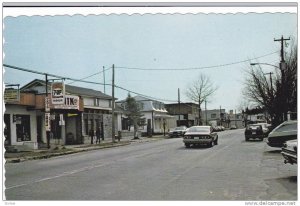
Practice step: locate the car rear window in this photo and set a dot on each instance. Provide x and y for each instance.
(287, 127)
(199, 129)
(254, 127)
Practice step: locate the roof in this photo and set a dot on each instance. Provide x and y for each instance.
(38, 86)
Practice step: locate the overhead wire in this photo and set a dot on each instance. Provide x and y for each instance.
(121, 67)
(193, 68)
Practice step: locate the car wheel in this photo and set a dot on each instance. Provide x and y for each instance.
(187, 145)
(216, 141)
(211, 144)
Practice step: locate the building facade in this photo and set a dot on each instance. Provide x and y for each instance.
(34, 118)
(186, 114)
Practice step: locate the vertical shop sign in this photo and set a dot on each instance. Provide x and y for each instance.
(47, 121)
(57, 92)
(47, 104)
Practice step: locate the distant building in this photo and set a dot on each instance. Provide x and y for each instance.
(185, 113)
(214, 117)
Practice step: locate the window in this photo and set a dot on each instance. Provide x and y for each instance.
(213, 116)
(22, 127)
(287, 127)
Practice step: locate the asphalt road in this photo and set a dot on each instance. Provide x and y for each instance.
(160, 170)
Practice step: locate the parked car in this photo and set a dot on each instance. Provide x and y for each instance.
(178, 131)
(282, 133)
(233, 127)
(254, 131)
(289, 151)
(199, 135)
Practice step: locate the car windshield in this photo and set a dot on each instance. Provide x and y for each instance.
(287, 127)
(180, 128)
(199, 129)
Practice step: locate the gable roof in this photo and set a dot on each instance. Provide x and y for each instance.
(38, 86)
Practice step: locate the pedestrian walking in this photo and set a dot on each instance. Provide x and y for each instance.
(91, 134)
(98, 135)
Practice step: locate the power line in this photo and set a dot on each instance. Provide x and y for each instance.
(52, 75)
(91, 76)
(90, 82)
(194, 68)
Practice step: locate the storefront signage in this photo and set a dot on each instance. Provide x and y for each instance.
(70, 102)
(11, 95)
(47, 122)
(57, 93)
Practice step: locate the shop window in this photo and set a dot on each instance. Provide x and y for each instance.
(22, 127)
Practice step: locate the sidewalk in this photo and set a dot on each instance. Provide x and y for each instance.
(15, 157)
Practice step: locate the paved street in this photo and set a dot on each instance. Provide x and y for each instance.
(160, 170)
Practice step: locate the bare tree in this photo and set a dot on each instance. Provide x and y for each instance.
(277, 95)
(200, 90)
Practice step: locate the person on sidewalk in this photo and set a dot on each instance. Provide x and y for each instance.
(98, 135)
(91, 134)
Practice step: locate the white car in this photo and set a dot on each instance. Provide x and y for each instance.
(289, 151)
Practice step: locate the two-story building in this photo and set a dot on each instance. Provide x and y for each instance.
(68, 115)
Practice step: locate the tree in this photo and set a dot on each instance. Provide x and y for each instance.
(277, 95)
(133, 111)
(200, 90)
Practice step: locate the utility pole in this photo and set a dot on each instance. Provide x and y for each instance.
(179, 106)
(104, 79)
(282, 67)
(205, 114)
(113, 104)
(270, 73)
(220, 116)
(282, 52)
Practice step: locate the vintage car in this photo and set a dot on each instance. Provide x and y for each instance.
(199, 135)
(284, 132)
(254, 131)
(289, 151)
(178, 131)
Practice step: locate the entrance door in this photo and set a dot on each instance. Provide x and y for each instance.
(7, 132)
(39, 129)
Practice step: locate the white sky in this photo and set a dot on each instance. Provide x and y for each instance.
(78, 46)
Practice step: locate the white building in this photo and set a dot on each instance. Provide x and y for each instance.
(154, 113)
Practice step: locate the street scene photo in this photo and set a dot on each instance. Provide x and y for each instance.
(107, 103)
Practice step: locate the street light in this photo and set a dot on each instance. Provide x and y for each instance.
(253, 64)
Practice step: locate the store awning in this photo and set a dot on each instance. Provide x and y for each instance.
(162, 116)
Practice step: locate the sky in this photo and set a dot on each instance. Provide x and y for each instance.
(79, 46)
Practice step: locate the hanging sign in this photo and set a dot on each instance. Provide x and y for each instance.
(57, 92)
(47, 121)
(47, 104)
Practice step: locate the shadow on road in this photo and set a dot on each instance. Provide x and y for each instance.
(201, 147)
(277, 151)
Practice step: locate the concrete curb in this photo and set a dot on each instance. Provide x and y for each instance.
(80, 149)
